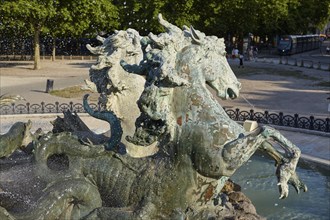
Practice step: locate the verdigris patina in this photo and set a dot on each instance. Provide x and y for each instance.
(179, 107)
(196, 146)
(18, 137)
(120, 90)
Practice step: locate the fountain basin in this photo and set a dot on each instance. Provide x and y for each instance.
(260, 187)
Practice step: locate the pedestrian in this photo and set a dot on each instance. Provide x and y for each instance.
(233, 53)
(255, 52)
(251, 53)
(236, 52)
(241, 57)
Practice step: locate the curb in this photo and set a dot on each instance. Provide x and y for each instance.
(43, 115)
(300, 130)
(318, 161)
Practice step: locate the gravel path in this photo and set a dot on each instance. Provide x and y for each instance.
(18, 77)
(280, 93)
(262, 91)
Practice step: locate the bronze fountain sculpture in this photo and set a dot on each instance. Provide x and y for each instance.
(174, 158)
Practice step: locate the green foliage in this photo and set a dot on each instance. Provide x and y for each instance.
(60, 16)
(29, 13)
(57, 18)
(235, 17)
(141, 15)
(76, 18)
(304, 16)
(181, 12)
(223, 18)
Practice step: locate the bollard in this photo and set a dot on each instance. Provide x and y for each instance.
(286, 61)
(49, 85)
(312, 65)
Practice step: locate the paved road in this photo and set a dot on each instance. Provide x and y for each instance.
(15, 80)
(265, 86)
(263, 91)
(318, 55)
(19, 78)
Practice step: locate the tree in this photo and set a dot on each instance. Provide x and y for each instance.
(182, 12)
(10, 30)
(58, 17)
(140, 15)
(225, 18)
(305, 17)
(78, 18)
(34, 13)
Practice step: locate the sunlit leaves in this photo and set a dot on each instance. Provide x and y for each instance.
(235, 17)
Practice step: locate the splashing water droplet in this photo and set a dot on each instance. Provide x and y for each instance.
(247, 101)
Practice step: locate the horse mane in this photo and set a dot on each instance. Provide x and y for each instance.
(165, 73)
(175, 41)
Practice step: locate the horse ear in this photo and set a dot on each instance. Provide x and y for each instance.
(196, 39)
(99, 38)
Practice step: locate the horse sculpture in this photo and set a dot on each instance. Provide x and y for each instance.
(199, 146)
(119, 90)
(193, 119)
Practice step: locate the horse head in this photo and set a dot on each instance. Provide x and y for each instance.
(206, 58)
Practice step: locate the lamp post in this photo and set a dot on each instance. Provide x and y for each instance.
(250, 39)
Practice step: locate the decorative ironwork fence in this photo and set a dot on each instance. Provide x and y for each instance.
(44, 108)
(280, 119)
(295, 121)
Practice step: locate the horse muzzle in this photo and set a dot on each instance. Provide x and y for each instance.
(230, 93)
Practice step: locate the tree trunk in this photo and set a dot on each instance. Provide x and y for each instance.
(36, 48)
(54, 49)
(23, 54)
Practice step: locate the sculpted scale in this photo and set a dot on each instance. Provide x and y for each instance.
(172, 146)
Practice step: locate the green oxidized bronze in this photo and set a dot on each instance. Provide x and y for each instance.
(181, 146)
(18, 136)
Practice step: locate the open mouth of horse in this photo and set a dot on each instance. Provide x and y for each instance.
(231, 94)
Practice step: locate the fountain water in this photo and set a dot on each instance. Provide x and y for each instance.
(256, 185)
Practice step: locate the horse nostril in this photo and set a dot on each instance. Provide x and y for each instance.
(231, 93)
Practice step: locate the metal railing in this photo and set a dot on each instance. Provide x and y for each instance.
(296, 62)
(280, 119)
(48, 57)
(44, 108)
